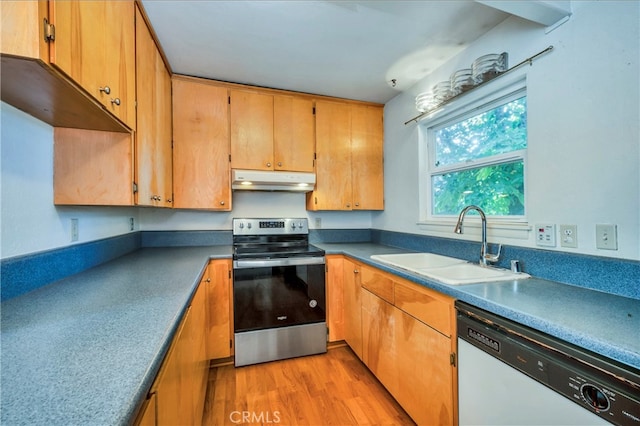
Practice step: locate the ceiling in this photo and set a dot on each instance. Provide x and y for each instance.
(348, 49)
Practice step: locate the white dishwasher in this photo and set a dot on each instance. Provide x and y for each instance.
(509, 374)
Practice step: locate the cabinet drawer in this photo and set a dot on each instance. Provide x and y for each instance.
(429, 307)
(377, 282)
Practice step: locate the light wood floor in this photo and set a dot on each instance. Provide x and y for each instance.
(328, 389)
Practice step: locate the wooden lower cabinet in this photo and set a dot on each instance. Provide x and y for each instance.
(405, 334)
(180, 388)
(352, 306)
(410, 359)
(219, 325)
(335, 297)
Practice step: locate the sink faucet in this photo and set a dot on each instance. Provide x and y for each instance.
(484, 255)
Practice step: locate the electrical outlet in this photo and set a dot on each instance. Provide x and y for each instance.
(318, 222)
(132, 224)
(74, 230)
(546, 235)
(607, 237)
(568, 236)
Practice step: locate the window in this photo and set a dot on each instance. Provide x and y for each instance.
(477, 155)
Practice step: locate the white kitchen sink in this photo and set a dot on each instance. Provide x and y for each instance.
(448, 270)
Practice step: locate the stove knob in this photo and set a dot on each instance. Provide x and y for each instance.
(241, 225)
(249, 225)
(313, 303)
(293, 225)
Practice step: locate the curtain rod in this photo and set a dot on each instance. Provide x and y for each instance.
(529, 61)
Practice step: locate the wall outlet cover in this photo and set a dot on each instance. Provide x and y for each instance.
(568, 236)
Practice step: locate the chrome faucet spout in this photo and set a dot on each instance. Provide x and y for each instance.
(484, 255)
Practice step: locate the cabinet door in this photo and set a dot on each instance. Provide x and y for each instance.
(199, 362)
(95, 46)
(333, 158)
(352, 307)
(92, 167)
(367, 171)
(407, 355)
(335, 297)
(218, 309)
(293, 133)
(251, 130)
(201, 174)
(170, 398)
(153, 136)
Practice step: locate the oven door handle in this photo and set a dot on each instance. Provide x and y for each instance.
(267, 263)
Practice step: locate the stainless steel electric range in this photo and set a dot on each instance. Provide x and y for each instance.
(278, 291)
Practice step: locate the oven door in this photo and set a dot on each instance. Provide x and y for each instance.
(273, 293)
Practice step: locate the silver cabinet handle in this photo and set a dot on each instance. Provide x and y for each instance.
(279, 164)
(116, 101)
(348, 205)
(105, 89)
(222, 203)
(357, 204)
(355, 271)
(268, 164)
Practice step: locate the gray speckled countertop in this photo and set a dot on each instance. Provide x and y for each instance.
(86, 349)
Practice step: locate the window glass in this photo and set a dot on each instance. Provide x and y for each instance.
(497, 131)
(479, 157)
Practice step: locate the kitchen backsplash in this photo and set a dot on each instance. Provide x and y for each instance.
(22, 274)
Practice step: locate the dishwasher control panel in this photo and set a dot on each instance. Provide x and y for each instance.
(605, 389)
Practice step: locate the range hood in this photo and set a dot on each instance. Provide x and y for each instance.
(258, 180)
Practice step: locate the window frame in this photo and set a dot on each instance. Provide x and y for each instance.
(486, 97)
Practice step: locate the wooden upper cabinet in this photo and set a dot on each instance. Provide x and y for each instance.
(28, 81)
(293, 138)
(333, 158)
(92, 167)
(271, 131)
(367, 170)
(95, 46)
(349, 157)
(251, 116)
(153, 174)
(201, 173)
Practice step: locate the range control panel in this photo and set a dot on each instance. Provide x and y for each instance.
(270, 226)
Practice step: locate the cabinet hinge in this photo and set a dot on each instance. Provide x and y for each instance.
(49, 31)
(315, 156)
(229, 98)
(452, 358)
(314, 110)
(135, 187)
(229, 274)
(315, 200)
(229, 157)
(230, 344)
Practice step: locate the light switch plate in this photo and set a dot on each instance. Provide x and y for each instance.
(546, 234)
(607, 237)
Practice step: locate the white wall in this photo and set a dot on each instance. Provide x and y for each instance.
(584, 139)
(29, 222)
